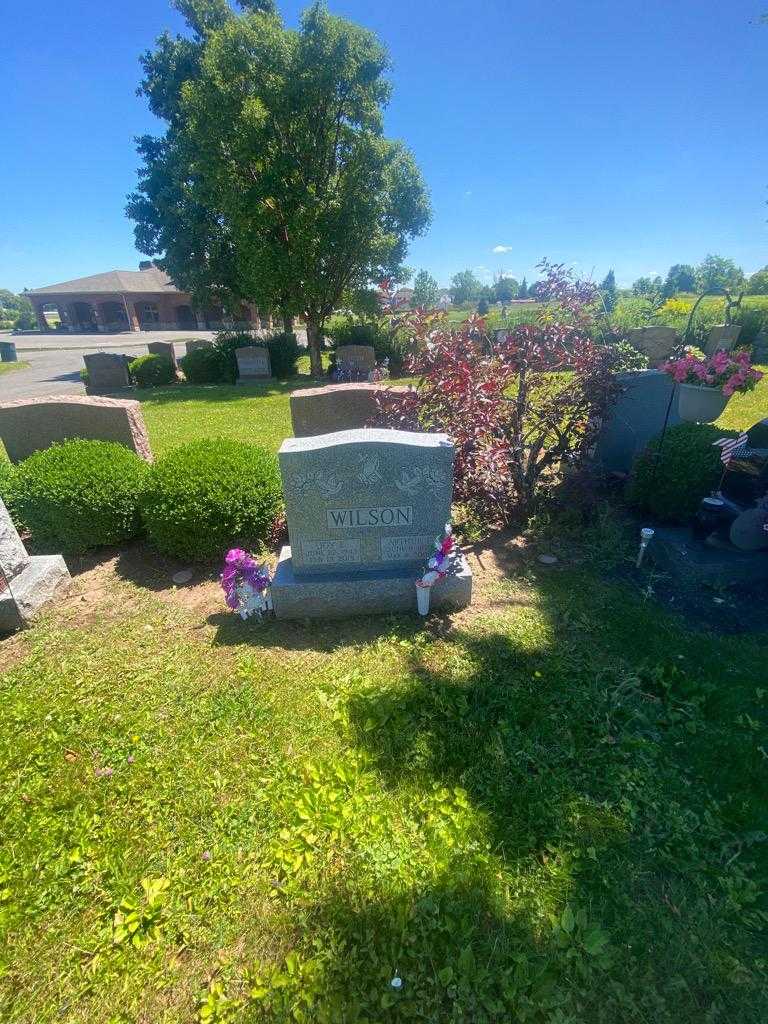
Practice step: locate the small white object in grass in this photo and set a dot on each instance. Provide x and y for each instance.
(547, 559)
(397, 982)
(719, 600)
(182, 576)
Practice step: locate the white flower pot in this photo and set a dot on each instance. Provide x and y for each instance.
(698, 404)
(422, 599)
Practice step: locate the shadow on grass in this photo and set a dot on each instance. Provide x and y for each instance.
(580, 787)
(321, 635)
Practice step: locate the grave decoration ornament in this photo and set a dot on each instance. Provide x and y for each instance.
(245, 584)
(438, 567)
(707, 384)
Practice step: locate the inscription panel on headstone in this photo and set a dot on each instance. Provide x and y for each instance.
(405, 549)
(331, 552)
(366, 498)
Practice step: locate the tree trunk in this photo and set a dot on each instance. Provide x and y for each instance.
(314, 340)
(287, 323)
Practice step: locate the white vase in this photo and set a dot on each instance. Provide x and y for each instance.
(697, 404)
(422, 599)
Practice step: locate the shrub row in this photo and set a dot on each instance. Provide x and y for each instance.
(217, 364)
(193, 503)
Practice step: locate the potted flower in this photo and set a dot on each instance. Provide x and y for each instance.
(707, 383)
(245, 584)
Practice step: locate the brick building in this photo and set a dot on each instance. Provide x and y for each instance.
(131, 300)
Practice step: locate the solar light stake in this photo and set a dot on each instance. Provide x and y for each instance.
(645, 539)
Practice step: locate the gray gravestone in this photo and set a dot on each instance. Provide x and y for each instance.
(106, 371)
(364, 508)
(253, 363)
(657, 341)
(163, 348)
(721, 337)
(26, 583)
(8, 352)
(336, 407)
(637, 416)
(358, 359)
(195, 343)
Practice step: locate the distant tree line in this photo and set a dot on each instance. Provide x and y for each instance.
(712, 274)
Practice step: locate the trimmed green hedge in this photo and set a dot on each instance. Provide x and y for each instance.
(203, 366)
(689, 469)
(79, 494)
(208, 496)
(152, 370)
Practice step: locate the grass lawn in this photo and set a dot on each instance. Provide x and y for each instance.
(10, 367)
(548, 809)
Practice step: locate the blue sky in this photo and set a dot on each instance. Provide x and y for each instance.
(603, 134)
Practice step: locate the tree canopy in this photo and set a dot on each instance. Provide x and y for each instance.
(273, 181)
(681, 277)
(758, 282)
(608, 291)
(425, 290)
(718, 272)
(465, 287)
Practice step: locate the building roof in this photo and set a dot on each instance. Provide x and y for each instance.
(151, 280)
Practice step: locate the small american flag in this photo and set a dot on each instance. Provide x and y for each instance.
(731, 447)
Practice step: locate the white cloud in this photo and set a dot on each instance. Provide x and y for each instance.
(502, 248)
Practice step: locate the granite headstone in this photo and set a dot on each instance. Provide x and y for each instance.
(28, 425)
(363, 508)
(106, 371)
(195, 343)
(163, 348)
(721, 337)
(637, 416)
(335, 407)
(358, 360)
(8, 352)
(253, 363)
(26, 583)
(656, 341)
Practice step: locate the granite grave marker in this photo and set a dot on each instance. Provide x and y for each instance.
(253, 363)
(26, 583)
(364, 508)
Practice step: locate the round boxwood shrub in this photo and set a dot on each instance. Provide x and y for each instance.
(689, 469)
(207, 496)
(79, 494)
(203, 366)
(152, 370)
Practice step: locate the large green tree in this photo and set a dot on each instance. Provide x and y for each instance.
(505, 288)
(425, 290)
(273, 181)
(758, 282)
(465, 287)
(718, 272)
(681, 277)
(18, 309)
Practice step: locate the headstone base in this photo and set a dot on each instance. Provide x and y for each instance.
(343, 595)
(32, 588)
(692, 563)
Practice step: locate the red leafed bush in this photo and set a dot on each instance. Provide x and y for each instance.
(520, 406)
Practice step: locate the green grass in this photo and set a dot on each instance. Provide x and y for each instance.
(10, 367)
(554, 812)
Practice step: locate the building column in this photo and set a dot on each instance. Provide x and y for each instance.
(130, 312)
(42, 323)
(200, 321)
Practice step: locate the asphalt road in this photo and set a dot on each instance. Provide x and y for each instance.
(56, 362)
